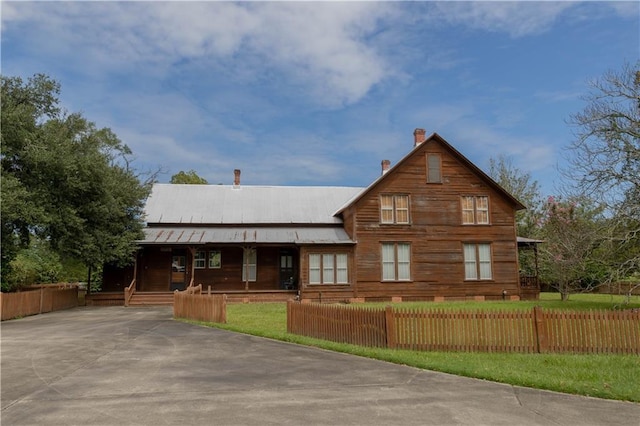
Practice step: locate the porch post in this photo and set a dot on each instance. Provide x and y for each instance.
(135, 268)
(89, 280)
(246, 268)
(535, 255)
(192, 251)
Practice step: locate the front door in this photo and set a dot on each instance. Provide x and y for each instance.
(178, 272)
(287, 271)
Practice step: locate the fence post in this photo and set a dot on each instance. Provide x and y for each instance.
(289, 302)
(390, 328)
(542, 343)
(224, 309)
(41, 299)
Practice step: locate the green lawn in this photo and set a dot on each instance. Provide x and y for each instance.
(604, 376)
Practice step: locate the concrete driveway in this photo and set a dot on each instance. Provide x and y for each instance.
(136, 366)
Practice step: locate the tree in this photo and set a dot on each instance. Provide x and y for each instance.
(520, 185)
(37, 263)
(65, 181)
(604, 161)
(573, 252)
(190, 177)
(22, 106)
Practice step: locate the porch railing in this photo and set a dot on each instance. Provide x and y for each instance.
(529, 281)
(193, 289)
(129, 291)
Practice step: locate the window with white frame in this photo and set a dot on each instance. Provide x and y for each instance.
(394, 208)
(475, 210)
(328, 268)
(396, 262)
(215, 259)
(249, 264)
(199, 259)
(477, 261)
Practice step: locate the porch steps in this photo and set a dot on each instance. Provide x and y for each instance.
(151, 298)
(105, 299)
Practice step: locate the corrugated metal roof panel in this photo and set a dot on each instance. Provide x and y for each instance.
(247, 235)
(226, 204)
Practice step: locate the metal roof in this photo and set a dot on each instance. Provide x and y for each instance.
(245, 205)
(524, 240)
(245, 235)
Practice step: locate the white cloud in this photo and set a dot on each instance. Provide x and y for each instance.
(320, 46)
(515, 18)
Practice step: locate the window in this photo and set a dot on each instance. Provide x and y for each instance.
(394, 208)
(328, 268)
(477, 262)
(396, 262)
(215, 259)
(249, 265)
(199, 259)
(434, 169)
(475, 210)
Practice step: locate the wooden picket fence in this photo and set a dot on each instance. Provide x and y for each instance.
(534, 331)
(359, 326)
(45, 298)
(194, 305)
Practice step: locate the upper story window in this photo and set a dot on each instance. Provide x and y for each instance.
(199, 259)
(394, 209)
(475, 210)
(434, 168)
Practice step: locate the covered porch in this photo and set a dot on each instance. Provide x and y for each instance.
(220, 268)
(529, 268)
(246, 264)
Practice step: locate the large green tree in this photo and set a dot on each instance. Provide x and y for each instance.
(519, 184)
(64, 180)
(605, 162)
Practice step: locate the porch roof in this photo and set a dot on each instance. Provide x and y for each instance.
(523, 241)
(245, 235)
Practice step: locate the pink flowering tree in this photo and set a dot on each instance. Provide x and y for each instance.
(572, 255)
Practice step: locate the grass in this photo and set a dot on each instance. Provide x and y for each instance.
(603, 376)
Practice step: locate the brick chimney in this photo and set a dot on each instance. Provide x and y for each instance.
(236, 177)
(385, 166)
(418, 136)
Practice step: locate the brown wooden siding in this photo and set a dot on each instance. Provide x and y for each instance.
(115, 278)
(436, 233)
(154, 269)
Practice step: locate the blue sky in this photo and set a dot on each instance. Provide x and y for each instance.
(319, 93)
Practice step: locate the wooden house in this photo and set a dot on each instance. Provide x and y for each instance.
(432, 227)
